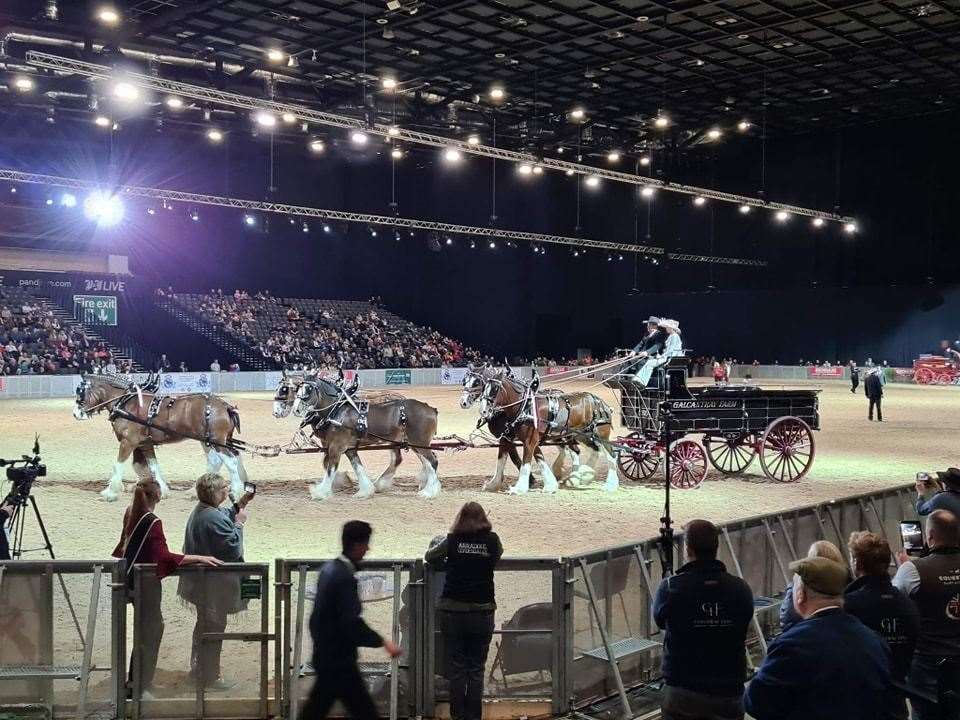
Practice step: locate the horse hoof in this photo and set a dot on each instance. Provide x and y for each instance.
(319, 493)
(515, 490)
(383, 484)
(491, 486)
(365, 493)
(549, 489)
(429, 492)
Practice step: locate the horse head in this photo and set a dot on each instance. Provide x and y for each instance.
(317, 394)
(472, 383)
(498, 393)
(285, 394)
(91, 395)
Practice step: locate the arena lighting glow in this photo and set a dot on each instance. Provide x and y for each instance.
(645, 160)
(613, 156)
(648, 192)
(497, 93)
(393, 131)
(305, 228)
(105, 209)
(560, 151)
(473, 140)
(699, 201)
(782, 216)
(174, 103)
(569, 173)
(492, 245)
(48, 201)
(23, 84)
(389, 83)
(326, 228)
(373, 233)
(276, 55)
(525, 168)
(108, 15)
(125, 91)
(317, 146)
(13, 190)
(661, 121)
(578, 113)
(850, 228)
(195, 216)
(593, 181)
(452, 155)
(396, 153)
(449, 241)
(358, 138)
(744, 209)
(102, 121)
(743, 125)
(817, 222)
(289, 118)
(68, 200)
(538, 170)
(151, 211)
(714, 133)
(265, 119)
(473, 244)
(249, 220)
(214, 135)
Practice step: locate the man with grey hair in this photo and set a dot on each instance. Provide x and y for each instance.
(830, 665)
(217, 531)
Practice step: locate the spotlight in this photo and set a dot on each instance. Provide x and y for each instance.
(648, 191)
(358, 137)
(105, 209)
(537, 170)
(326, 228)
(560, 151)
(699, 201)
(492, 245)
(654, 261)
(714, 133)
(23, 84)
(317, 146)
(744, 209)
(525, 168)
(195, 216)
(743, 125)
(661, 121)
(108, 15)
(850, 228)
(569, 173)
(102, 121)
(125, 91)
(449, 241)
(818, 222)
(373, 233)
(214, 135)
(174, 103)
(289, 118)
(151, 211)
(305, 228)
(388, 83)
(613, 156)
(452, 155)
(68, 200)
(13, 190)
(393, 131)
(645, 160)
(48, 201)
(619, 257)
(249, 220)
(593, 181)
(276, 55)
(576, 253)
(396, 153)
(578, 113)
(265, 119)
(782, 216)
(497, 93)
(292, 221)
(473, 140)
(609, 258)
(473, 244)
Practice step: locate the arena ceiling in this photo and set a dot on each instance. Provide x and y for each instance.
(793, 65)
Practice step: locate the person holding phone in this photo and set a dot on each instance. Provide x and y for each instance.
(939, 493)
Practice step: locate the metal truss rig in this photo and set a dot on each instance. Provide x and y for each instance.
(11, 175)
(318, 117)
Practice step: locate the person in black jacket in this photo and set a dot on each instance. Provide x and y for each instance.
(338, 629)
(466, 607)
(873, 389)
(6, 510)
(854, 376)
(704, 612)
(874, 600)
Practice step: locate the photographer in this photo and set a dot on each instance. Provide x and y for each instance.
(940, 493)
(6, 510)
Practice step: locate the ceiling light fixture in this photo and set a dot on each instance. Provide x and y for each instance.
(661, 121)
(744, 209)
(473, 140)
(174, 103)
(578, 113)
(497, 93)
(317, 146)
(396, 153)
(648, 191)
(388, 83)
(125, 91)
(214, 135)
(452, 155)
(743, 125)
(817, 222)
(358, 138)
(613, 156)
(276, 55)
(525, 168)
(393, 131)
(782, 216)
(23, 84)
(538, 170)
(108, 15)
(714, 133)
(265, 119)
(645, 160)
(699, 201)
(593, 181)
(102, 121)
(289, 118)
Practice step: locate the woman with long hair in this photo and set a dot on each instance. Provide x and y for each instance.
(466, 607)
(143, 542)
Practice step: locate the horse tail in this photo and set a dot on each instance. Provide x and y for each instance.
(234, 417)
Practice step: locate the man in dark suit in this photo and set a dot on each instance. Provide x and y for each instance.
(652, 342)
(873, 389)
(854, 376)
(338, 629)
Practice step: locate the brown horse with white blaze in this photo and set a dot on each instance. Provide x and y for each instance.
(206, 418)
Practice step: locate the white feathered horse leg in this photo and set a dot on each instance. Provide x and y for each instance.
(235, 469)
(385, 481)
(365, 487)
(115, 485)
(154, 466)
(431, 484)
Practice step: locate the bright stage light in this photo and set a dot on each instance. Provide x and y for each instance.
(645, 160)
(473, 140)
(525, 168)
(249, 220)
(358, 138)
(317, 146)
(537, 170)
(449, 241)
(569, 173)
(592, 181)
(744, 209)
(714, 133)
(396, 153)
(214, 135)
(195, 216)
(452, 155)
(389, 83)
(108, 15)
(276, 55)
(850, 228)
(305, 228)
(265, 119)
(578, 113)
(326, 228)
(289, 118)
(151, 211)
(699, 201)
(613, 156)
(743, 125)
(492, 245)
(68, 200)
(661, 121)
(105, 209)
(48, 201)
(497, 93)
(782, 216)
(174, 103)
(126, 92)
(23, 84)
(393, 131)
(648, 191)
(102, 121)
(817, 222)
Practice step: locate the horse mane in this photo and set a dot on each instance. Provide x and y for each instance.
(119, 382)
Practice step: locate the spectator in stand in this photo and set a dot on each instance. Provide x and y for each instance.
(874, 600)
(821, 548)
(933, 583)
(704, 612)
(215, 366)
(942, 493)
(183, 366)
(827, 667)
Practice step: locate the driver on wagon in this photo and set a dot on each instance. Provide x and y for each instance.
(672, 347)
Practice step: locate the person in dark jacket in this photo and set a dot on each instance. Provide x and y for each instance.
(788, 613)
(704, 612)
(873, 389)
(854, 376)
(338, 629)
(933, 583)
(940, 494)
(6, 511)
(828, 666)
(874, 600)
(466, 607)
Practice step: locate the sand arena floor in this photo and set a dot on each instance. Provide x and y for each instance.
(852, 456)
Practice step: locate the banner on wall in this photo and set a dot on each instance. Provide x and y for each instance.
(452, 376)
(397, 377)
(180, 383)
(556, 369)
(822, 372)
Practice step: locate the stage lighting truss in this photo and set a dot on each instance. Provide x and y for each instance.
(309, 115)
(324, 215)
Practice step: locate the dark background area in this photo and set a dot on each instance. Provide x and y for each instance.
(886, 291)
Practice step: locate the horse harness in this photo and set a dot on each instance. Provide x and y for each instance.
(320, 419)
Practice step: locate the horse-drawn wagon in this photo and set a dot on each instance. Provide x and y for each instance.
(935, 370)
(736, 423)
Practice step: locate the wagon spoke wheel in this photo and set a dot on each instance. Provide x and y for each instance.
(635, 461)
(787, 449)
(688, 464)
(923, 376)
(732, 455)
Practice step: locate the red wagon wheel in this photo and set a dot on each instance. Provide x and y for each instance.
(636, 462)
(787, 449)
(923, 376)
(730, 455)
(688, 464)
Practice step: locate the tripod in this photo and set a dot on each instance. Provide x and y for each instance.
(17, 524)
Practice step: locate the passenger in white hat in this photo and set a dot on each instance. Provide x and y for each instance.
(673, 347)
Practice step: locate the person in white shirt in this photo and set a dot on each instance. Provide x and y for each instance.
(215, 366)
(672, 347)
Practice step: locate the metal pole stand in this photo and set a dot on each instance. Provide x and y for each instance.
(666, 522)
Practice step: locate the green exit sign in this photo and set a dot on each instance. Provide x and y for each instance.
(95, 309)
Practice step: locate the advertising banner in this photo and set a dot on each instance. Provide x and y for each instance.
(556, 369)
(396, 377)
(452, 376)
(180, 383)
(825, 372)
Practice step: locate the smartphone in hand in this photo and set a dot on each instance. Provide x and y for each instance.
(911, 535)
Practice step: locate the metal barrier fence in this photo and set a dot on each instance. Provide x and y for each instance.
(570, 632)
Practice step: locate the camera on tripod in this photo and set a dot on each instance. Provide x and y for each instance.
(21, 474)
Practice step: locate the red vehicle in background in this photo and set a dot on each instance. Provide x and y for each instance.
(935, 370)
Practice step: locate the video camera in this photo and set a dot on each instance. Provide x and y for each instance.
(21, 473)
